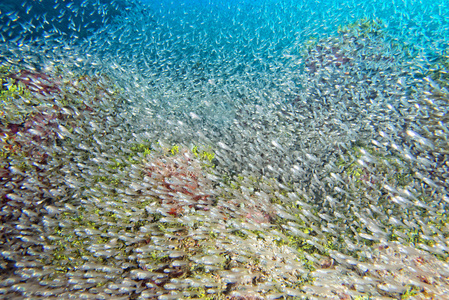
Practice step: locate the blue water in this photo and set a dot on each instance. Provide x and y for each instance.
(417, 21)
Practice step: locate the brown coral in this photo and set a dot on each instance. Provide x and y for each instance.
(180, 181)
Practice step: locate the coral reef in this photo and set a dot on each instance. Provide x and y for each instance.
(329, 185)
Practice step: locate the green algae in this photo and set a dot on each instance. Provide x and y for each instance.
(364, 27)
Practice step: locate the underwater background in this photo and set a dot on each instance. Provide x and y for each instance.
(224, 149)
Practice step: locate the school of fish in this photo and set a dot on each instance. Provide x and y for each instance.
(224, 150)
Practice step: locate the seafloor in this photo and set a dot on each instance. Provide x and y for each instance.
(239, 150)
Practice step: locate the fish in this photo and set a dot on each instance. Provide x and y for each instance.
(150, 147)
